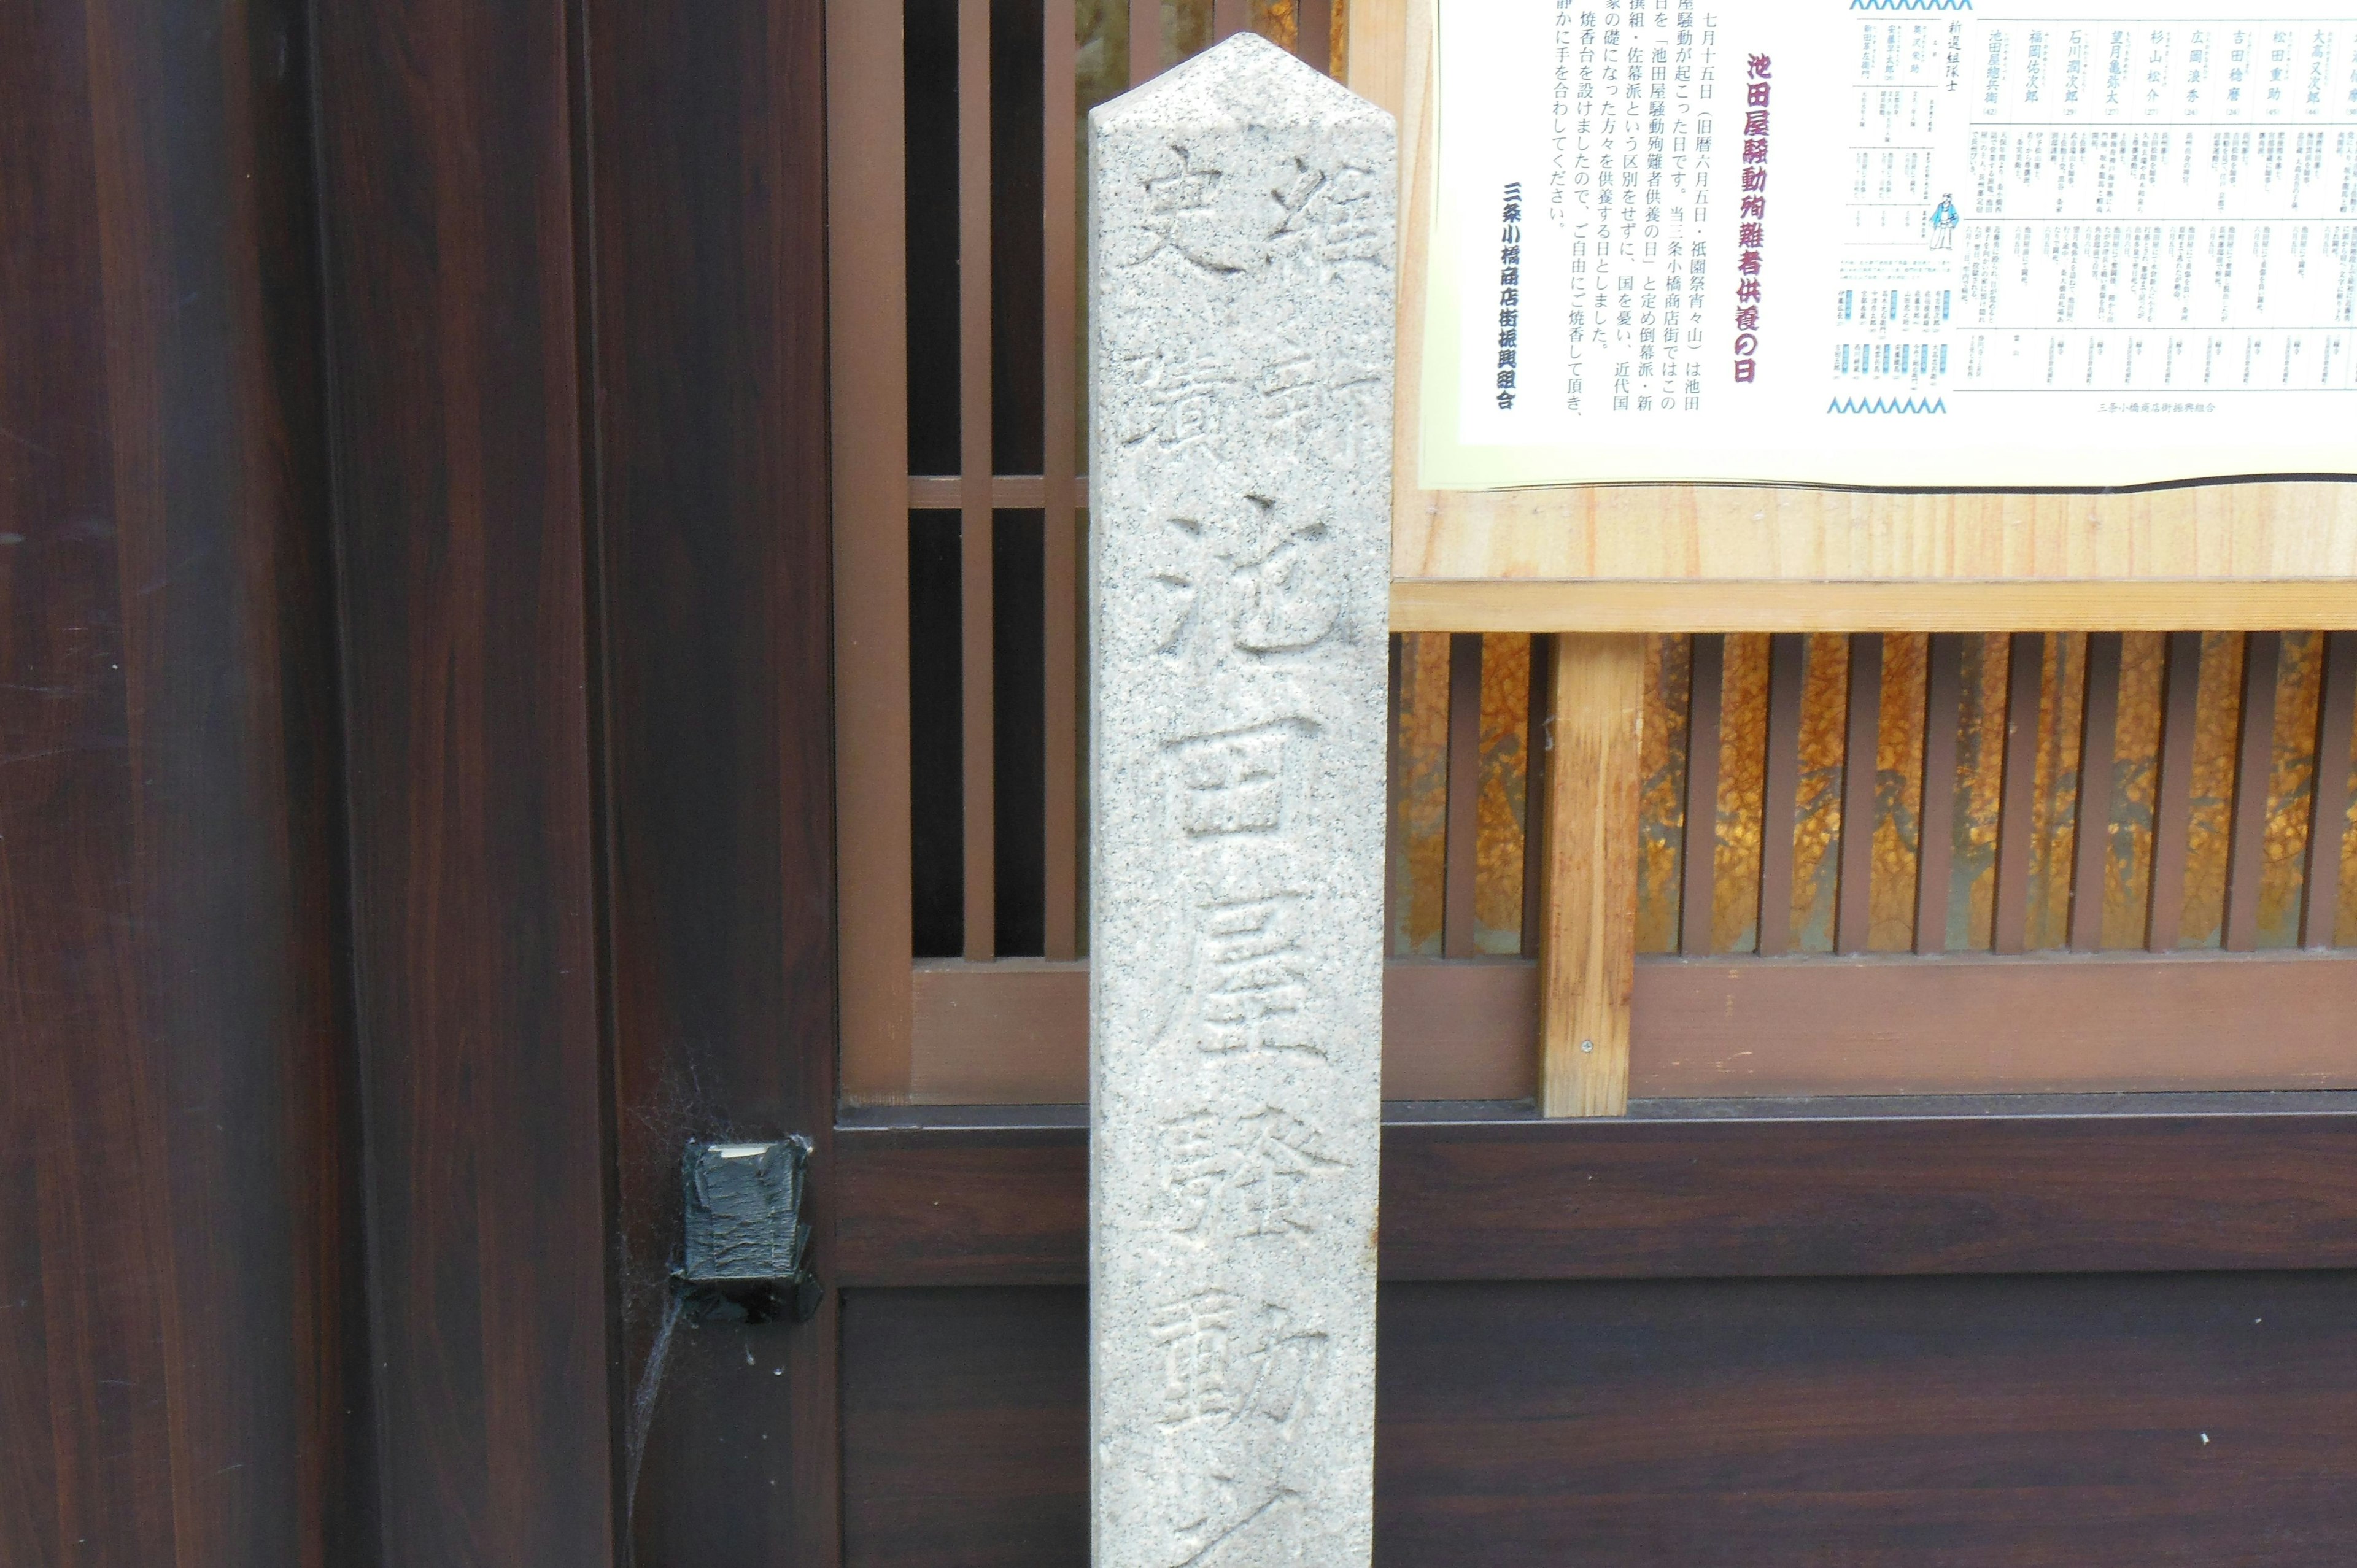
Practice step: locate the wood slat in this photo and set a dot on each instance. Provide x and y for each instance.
(1781, 798)
(1943, 717)
(2254, 770)
(1535, 791)
(868, 251)
(718, 752)
(1016, 1032)
(1314, 33)
(2016, 826)
(977, 629)
(2173, 796)
(1229, 17)
(1144, 41)
(1816, 1189)
(445, 150)
(1464, 603)
(185, 1366)
(1698, 890)
(1060, 537)
(1588, 952)
(2098, 747)
(1006, 492)
(1854, 912)
(2328, 824)
(1461, 854)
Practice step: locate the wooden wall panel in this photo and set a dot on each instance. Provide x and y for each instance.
(2078, 1421)
(965, 1429)
(181, 1355)
(447, 146)
(1726, 1187)
(708, 147)
(2065, 1420)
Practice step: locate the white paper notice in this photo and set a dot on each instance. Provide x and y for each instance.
(1918, 243)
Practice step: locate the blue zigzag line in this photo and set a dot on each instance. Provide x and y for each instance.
(1910, 5)
(1886, 405)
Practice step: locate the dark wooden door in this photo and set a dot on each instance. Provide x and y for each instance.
(418, 820)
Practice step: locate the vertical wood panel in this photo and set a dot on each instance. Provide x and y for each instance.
(2025, 661)
(2097, 748)
(1588, 958)
(977, 661)
(1854, 919)
(1060, 548)
(2254, 762)
(2337, 716)
(1229, 16)
(1144, 40)
(708, 173)
(2173, 816)
(1534, 790)
(1460, 857)
(1314, 42)
(447, 141)
(1698, 896)
(1779, 804)
(183, 1357)
(1943, 703)
(868, 359)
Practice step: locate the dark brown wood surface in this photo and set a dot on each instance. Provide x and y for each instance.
(446, 143)
(180, 1369)
(1863, 1187)
(965, 1429)
(2072, 1420)
(710, 324)
(2076, 1422)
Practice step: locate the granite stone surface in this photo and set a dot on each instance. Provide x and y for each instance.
(1242, 251)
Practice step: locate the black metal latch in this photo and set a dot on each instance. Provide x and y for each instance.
(747, 1241)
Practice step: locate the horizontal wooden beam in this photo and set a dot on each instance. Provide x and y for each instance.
(1016, 1032)
(1814, 1188)
(1008, 492)
(1424, 604)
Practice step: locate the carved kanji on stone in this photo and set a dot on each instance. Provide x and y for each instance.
(1244, 235)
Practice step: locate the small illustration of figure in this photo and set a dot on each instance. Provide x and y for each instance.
(1943, 223)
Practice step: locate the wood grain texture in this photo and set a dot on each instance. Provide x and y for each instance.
(2328, 819)
(1943, 699)
(2056, 1423)
(2098, 748)
(1060, 535)
(1461, 858)
(2017, 827)
(1587, 950)
(2247, 860)
(1842, 602)
(1802, 1187)
(183, 1352)
(446, 148)
(1855, 918)
(1979, 1024)
(708, 169)
(2052, 1422)
(2172, 814)
(1698, 890)
(965, 1434)
(868, 376)
(1015, 1032)
(1780, 796)
(976, 524)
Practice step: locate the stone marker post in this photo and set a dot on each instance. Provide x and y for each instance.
(1243, 261)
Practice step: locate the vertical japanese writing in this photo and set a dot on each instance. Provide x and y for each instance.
(1751, 216)
(1510, 291)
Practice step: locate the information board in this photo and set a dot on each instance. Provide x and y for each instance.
(1944, 244)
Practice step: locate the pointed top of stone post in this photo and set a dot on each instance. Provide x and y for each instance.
(1245, 81)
